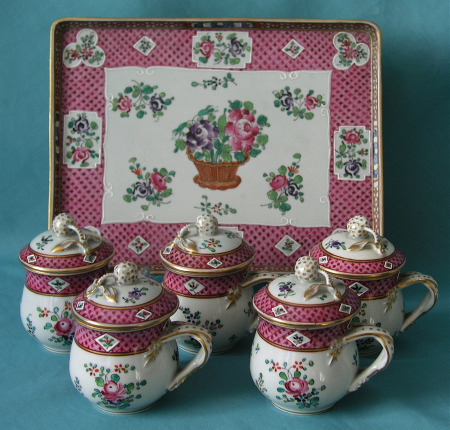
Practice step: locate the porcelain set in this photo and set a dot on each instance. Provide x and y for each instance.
(123, 329)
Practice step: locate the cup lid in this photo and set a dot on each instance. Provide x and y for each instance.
(124, 301)
(358, 251)
(205, 248)
(66, 249)
(308, 298)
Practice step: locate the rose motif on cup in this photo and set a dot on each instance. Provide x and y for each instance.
(296, 386)
(63, 327)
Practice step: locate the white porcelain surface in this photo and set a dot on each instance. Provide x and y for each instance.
(227, 323)
(48, 319)
(302, 382)
(132, 383)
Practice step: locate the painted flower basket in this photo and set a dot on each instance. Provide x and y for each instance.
(219, 142)
(222, 176)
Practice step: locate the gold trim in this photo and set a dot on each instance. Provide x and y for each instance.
(306, 326)
(118, 354)
(50, 294)
(94, 325)
(86, 298)
(208, 273)
(370, 28)
(364, 276)
(319, 305)
(61, 272)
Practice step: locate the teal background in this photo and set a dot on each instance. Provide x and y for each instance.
(412, 393)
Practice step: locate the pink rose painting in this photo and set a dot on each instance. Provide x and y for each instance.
(82, 134)
(113, 391)
(219, 140)
(206, 48)
(63, 327)
(296, 386)
(81, 154)
(150, 188)
(242, 129)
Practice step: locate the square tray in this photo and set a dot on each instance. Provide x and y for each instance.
(274, 126)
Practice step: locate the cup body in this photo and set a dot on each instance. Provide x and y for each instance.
(227, 323)
(324, 366)
(122, 383)
(45, 308)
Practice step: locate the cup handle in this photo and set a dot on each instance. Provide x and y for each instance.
(178, 329)
(410, 278)
(382, 359)
(256, 278)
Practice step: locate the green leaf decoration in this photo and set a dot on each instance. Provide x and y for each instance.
(248, 106)
(282, 170)
(128, 90)
(285, 207)
(236, 104)
(180, 144)
(283, 376)
(115, 377)
(239, 156)
(127, 198)
(47, 326)
(99, 382)
(309, 115)
(272, 194)
(261, 120)
(298, 179)
(166, 193)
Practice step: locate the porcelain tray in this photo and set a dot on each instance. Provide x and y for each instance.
(274, 126)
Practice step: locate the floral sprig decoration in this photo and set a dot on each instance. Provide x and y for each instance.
(217, 208)
(82, 140)
(229, 49)
(285, 184)
(352, 153)
(151, 187)
(84, 49)
(236, 133)
(139, 97)
(297, 104)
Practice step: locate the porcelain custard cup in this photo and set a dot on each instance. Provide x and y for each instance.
(124, 356)
(304, 356)
(59, 264)
(207, 267)
(370, 266)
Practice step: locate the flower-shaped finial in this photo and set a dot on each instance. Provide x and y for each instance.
(126, 273)
(61, 224)
(207, 225)
(307, 269)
